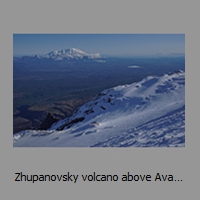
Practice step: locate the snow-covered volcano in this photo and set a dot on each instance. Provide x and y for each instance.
(64, 54)
(71, 53)
(149, 113)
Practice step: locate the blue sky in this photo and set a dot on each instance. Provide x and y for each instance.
(105, 44)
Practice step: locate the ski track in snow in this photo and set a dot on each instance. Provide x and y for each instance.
(150, 113)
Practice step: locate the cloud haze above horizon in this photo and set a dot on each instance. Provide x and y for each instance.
(105, 44)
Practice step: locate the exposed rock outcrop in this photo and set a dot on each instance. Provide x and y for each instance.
(50, 119)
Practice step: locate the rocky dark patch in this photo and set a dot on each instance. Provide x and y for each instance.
(89, 111)
(103, 108)
(50, 119)
(69, 124)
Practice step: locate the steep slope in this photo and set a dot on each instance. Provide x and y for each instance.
(148, 113)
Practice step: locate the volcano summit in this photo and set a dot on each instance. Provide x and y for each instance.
(69, 54)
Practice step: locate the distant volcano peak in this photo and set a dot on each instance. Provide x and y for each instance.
(65, 54)
(71, 53)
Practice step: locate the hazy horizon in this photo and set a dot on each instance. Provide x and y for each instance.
(125, 45)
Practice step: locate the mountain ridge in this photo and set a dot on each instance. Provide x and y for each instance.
(69, 54)
(120, 112)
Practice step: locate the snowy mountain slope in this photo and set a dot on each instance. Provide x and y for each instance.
(68, 54)
(148, 113)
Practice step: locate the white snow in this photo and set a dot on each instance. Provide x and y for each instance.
(71, 53)
(145, 114)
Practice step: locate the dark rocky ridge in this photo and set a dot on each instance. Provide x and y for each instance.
(50, 119)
